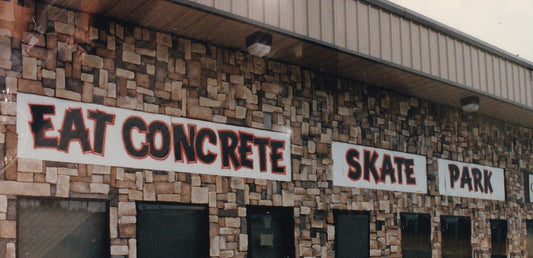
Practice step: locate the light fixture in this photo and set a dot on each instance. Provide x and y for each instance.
(470, 104)
(259, 43)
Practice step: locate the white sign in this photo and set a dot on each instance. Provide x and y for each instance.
(67, 131)
(471, 180)
(373, 168)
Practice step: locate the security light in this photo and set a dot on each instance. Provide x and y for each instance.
(259, 43)
(470, 104)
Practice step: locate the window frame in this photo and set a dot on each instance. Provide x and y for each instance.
(205, 236)
(529, 224)
(442, 217)
(106, 230)
(402, 214)
(506, 223)
(290, 247)
(336, 213)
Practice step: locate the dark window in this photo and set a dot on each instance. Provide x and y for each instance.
(270, 232)
(498, 237)
(351, 234)
(416, 235)
(62, 228)
(456, 236)
(530, 238)
(172, 230)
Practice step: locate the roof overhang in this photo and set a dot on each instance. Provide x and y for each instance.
(199, 22)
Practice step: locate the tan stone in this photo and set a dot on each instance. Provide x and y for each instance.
(25, 177)
(148, 176)
(143, 80)
(126, 209)
(92, 61)
(79, 187)
(273, 88)
(23, 188)
(67, 94)
(145, 52)
(150, 69)
(196, 180)
(51, 175)
(131, 57)
(220, 119)
(173, 111)
(67, 171)
(164, 188)
(163, 39)
(214, 246)
(127, 102)
(135, 195)
(149, 192)
(11, 250)
(57, 14)
(180, 66)
(63, 186)
(127, 220)
(196, 112)
(288, 198)
(99, 169)
(237, 183)
(205, 102)
(8, 229)
(99, 188)
(145, 91)
(176, 90)
(198, 48)
(47, 74)
(121, 73)
(103, 78)
(64, 28)
(237, 79)
(11, 84)
(162, 53)
(126, 230)
(64, 52)
(240, 112)
(30, 165)
(113, 221)
(60, 78)
(5, 64)
(87, 92)
(243, 242)
(162, 94)
(5, 32)
(117, 250)
(168, 197)
(112, 90)
(233, 222)
(29, 68)
(85, 77)
(5, 48)
(200, 195)
(3, 203)
(226, 231)
(132, 243)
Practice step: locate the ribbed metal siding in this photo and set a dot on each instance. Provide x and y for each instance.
(368, 30)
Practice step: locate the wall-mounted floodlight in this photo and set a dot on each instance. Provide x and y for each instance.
(470, 104)
(259, 43)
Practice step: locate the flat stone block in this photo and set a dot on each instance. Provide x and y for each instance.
(24, 188)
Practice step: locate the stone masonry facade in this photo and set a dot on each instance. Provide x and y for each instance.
(79, 57)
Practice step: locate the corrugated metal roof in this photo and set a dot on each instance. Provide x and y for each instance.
(404, 56)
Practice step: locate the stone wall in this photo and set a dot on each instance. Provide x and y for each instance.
(84, 58)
